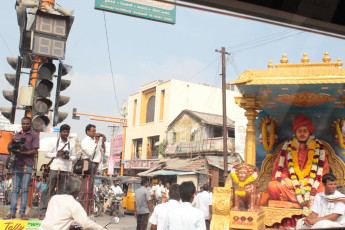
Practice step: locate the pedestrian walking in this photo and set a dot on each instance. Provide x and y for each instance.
(205, 202)
(142, 205)
(158, 216)
(185, 216)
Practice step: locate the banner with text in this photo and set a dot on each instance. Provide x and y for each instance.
(148, 9)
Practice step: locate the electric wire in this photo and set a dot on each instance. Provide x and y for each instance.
(110, 63)
(256, 40)
(264, 43)
(9, 50)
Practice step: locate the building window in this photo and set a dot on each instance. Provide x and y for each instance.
(150, 110)
(161, 112)
(134, 111)
(174, 137)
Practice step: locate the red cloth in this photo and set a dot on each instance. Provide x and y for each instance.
(302, 120)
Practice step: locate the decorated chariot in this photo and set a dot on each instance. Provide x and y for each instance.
(295, 134)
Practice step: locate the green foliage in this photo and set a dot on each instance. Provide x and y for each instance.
(162, 147)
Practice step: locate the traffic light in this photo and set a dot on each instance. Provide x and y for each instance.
(12, 95)
(61, 85)
(42, 103)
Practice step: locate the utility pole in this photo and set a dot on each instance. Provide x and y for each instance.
(225, 129)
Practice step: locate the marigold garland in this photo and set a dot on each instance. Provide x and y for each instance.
(264, 136)
(312, 146)
(340, 137)
(240, 193)
(305, 189)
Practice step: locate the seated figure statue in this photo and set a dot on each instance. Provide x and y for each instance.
(299, 166)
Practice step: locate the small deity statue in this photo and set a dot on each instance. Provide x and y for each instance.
(247, 197)
(299, 166)
(268, 127)
(338, 130)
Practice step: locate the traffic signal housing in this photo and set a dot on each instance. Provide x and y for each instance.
(42, 103)
(60, 101)
(12, 95)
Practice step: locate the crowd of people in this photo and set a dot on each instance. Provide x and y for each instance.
(57, 185)
(176, 206)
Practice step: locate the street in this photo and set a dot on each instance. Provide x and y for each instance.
(128, 222)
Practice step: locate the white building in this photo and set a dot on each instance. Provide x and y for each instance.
(158, 103)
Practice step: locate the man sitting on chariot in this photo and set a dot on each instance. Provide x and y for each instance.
(299, 166)
(328, 209)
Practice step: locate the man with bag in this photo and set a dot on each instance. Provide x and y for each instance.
(92, 150)
(23, 167)
(62, 153)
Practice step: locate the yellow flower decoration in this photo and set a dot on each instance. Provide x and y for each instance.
(240, 193)
(293, 177)
(340, 137)
(264, 136)
(308, 188)
(312, 146)
(298, 191)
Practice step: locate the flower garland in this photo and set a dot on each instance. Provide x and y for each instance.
(264, 136)
(305, 189)
(340, 137)
(250, 179)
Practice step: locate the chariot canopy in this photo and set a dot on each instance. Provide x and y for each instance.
(284, 90)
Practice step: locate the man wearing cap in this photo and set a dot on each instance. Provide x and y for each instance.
(299, 165)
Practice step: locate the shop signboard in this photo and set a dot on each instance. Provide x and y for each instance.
(148, 9)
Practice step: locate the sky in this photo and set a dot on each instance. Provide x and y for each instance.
(142, 51)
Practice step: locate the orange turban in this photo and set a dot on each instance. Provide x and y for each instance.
(302, 120)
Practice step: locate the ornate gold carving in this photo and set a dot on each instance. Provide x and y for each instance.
(270, 65)
(326, 58)
(305, 58)
(297, 73)
(251, 103)
(276, 215)
(256, 222)
(339, 63)
(220, 222)
(304, 99)
(284, 60)
(221, 204)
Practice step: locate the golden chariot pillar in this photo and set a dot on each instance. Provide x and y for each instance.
(251, 103)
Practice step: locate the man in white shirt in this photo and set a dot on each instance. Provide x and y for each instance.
(62, 153)
(205, 204)
(116, 190)
(64, 209)
(328, 209)
(91, 148)
(158, 191)
(157, 219)
(185, 216)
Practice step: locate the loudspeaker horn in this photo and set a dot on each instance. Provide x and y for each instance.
(51, 10)
(29, 4)
(65, 11)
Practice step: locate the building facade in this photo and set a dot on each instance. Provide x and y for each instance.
(157, 104)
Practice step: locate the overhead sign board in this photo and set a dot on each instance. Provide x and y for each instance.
(148, 9)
